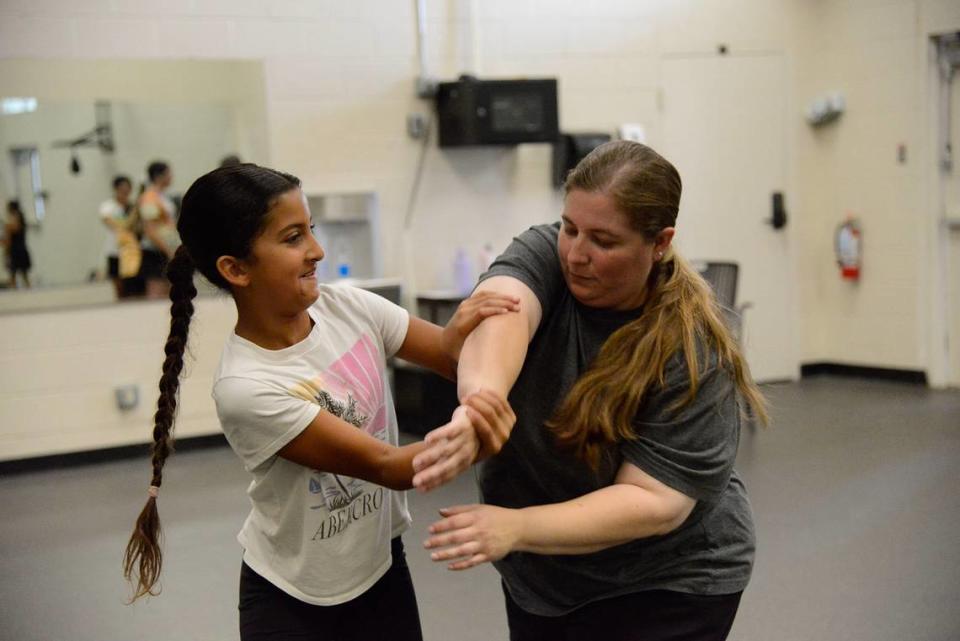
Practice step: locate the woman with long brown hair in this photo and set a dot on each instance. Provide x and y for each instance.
(613, 511)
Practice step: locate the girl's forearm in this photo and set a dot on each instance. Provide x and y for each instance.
(396, 472)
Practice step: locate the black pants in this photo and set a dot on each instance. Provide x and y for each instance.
(388, 610)
(657, 615)
(152, 264)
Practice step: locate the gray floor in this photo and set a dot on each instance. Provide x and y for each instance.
(856, 490)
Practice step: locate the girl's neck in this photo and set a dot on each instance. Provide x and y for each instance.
(271, 330)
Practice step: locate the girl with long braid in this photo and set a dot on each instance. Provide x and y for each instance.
(303, 399)
(613, 512)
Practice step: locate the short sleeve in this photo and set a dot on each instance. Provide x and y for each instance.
(532, 259)
(391, 320)
(106, 210)
(691, 449)
(258, 418)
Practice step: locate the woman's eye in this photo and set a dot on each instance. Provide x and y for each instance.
(293, 239)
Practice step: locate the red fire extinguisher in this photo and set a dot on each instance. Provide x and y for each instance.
(848, 244)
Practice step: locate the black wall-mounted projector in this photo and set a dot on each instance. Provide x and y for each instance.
(497, 112)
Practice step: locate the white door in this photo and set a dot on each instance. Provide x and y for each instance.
(723, 127)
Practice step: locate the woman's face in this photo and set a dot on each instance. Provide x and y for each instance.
(605, 262)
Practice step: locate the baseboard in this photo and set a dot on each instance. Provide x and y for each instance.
(857, 371)
(88, 457)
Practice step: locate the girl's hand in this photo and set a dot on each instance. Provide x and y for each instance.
(469, 314)
(469, 535)
(452, 448)
(490, 418)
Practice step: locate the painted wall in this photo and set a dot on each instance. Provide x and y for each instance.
(59, 369)
(340, 77)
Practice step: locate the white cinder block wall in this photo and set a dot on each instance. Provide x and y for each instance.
(339, 79)
(59, 369)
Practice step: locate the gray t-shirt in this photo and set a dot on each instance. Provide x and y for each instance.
(692, 451)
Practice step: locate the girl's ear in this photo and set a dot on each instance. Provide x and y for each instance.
(234, 271)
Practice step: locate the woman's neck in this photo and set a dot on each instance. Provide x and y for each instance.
(269, 329)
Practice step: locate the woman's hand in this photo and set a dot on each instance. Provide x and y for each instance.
(452, 448)
(469, 535)
(490, 418)
(470, 313)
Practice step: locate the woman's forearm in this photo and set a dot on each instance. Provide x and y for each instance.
(493, 355)
(610, 516)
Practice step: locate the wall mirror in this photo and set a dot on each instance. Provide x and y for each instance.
(68, 127)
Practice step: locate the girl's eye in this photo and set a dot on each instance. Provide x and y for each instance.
(604, 244)
(292, 239)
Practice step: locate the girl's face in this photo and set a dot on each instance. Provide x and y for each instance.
(605, 262)
(282, 263)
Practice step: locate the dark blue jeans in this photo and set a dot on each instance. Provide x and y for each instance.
(388, 610)
(656, 615)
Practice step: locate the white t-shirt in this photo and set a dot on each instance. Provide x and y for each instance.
(322, 538)
(111, 210)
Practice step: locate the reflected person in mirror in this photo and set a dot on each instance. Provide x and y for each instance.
(16, 254)
(121, 239)
(156, 216)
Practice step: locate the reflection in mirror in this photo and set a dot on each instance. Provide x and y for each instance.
(68, 129)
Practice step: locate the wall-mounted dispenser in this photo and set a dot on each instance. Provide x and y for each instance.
(570, 149)
(347, 226)
(826, 109)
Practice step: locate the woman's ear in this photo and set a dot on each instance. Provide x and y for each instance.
(663, 240)
(233, 270)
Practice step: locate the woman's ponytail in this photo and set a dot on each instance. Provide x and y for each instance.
(143, 557)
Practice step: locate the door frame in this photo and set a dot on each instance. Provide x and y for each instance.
(941, 335)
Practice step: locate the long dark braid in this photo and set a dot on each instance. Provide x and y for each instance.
(221, 215)
(143, 557)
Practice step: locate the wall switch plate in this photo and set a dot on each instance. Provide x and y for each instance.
(416, 126)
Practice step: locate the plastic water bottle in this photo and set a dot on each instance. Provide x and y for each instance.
(486, 257)
(343, 257)
(462, 273)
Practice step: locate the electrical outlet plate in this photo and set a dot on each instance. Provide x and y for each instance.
(127, 397)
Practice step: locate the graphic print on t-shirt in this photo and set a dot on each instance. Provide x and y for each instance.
(350, 389)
